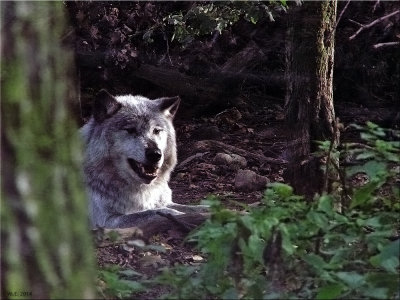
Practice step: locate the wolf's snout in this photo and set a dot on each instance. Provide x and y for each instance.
(153, 155)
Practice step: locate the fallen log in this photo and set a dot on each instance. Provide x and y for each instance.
(208, 145)
(215, 86)
(184, 223)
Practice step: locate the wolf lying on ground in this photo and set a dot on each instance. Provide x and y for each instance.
(130, 154)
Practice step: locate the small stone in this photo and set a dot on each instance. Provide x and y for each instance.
(180, 176)
(249, 181)
(197, 258)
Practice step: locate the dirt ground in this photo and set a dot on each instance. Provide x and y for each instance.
(198, 174)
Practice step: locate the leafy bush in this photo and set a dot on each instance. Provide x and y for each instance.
(117, 283)
(288, 247)
(204, 19)
(341, 245)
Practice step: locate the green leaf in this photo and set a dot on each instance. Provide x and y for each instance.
(315, 261)
(376, 293)
(351, 279)
(374, 222)
(325, 204)
(364, 194)
(253, 20)
(331, 291)
(374, 168)
(283, 190)
(230, 293)
(287, 244)
(318, 219)
(133, 286)
(388, 258)
(371, 125)
(129, 273)
(383, 280)
(366, 154)
(367, 136)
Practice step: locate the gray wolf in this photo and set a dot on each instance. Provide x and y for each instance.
(130, 154)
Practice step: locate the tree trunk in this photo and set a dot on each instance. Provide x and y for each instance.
(309, 97)
(45, 238)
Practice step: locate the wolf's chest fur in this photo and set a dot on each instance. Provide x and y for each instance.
(133, 198)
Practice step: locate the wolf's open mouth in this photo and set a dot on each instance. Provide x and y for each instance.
(146, 172)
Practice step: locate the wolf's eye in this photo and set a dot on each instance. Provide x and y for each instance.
(157, 131)
(131, 130)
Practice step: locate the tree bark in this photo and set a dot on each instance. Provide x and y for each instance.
(309, 96)
(46, 245)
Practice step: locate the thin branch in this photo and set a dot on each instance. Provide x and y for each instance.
(380, 45)
(355, 22)
(341, 14)
(376, 5)
(362, 27)
(338, 19)
(167, 44)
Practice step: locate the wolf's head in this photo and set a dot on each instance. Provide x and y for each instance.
(132, 135)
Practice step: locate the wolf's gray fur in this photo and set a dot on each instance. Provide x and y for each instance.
(130, 154)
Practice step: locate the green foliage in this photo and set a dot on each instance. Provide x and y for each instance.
(204, 19)
(289, 247)
(115, 282)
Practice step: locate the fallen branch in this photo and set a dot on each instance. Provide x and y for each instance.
(165, 223)
(214, 88)
(184, 226)
(183, 223)
(366, 26)
(189, 159)
(207, 145)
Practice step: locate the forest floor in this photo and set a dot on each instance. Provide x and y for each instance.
(251, 133)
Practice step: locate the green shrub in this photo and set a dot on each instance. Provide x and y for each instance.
(207, 18)
(344, 244)
(288, 247)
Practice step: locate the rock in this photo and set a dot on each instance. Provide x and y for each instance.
(204, 169)
(207, 132)
(249, 181)
(232, 161)
(228, 116)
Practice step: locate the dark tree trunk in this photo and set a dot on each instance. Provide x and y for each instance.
(309, 98)
(46, 248)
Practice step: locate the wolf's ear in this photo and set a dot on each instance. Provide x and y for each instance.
(169, 106)
(104, 106)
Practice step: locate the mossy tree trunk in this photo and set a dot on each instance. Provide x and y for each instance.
(46, 248)
(309, 98)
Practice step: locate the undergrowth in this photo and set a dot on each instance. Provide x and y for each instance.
(344, 244)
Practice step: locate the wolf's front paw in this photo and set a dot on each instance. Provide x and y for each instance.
(190, 208)
(170, 211)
